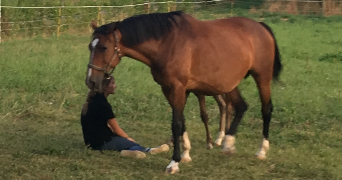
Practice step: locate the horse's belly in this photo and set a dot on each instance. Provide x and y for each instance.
(203, 88)
(217, 77)
(212, 87)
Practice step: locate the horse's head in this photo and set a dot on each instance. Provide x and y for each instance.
(104, 54)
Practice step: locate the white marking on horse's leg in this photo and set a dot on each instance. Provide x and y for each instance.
(172, 167)
(209, 146)
(264, 147)
(186, 148)
(228, 145)
(219, 139)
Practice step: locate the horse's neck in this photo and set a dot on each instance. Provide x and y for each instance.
(145, 53)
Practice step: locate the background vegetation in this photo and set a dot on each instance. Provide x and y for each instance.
(42, 91)
(62, 18)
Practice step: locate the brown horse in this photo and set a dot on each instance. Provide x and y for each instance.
(188, 55)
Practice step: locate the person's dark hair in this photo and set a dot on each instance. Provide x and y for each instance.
(106, 81)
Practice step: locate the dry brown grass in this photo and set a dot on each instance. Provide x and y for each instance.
(253, 10)
(274, 7)
(292, 7)
(331, 7)
(173, 7)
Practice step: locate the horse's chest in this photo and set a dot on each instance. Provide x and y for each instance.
(159, 76)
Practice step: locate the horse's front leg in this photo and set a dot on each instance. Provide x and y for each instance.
(186, 146)
(186, 141)
(176, 96)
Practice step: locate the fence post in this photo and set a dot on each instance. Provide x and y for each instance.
(121, 15)
(0, 21)
(148, 7)
(99, 16)
(59, 21)
(323, 7)
(168, 6)
(231, 8)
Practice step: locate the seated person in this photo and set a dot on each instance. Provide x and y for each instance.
(101, 130)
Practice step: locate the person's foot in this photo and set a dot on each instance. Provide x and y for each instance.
(133, 154)
(162, 148)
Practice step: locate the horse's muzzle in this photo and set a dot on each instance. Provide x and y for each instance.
(90, 84)
(94, 83)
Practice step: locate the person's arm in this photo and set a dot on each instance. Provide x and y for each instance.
(114, 126)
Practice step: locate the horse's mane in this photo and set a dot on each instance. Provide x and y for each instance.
(138, 29)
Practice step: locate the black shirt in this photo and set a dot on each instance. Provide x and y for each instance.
(94, 122)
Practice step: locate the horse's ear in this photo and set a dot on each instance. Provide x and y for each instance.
(93, 24)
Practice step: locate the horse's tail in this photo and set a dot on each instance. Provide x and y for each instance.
(277, 67)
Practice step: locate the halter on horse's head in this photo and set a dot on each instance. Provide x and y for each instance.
(103, 55)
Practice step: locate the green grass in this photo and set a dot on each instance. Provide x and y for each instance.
(42, 91)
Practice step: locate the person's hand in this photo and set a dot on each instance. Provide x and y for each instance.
(131, 139)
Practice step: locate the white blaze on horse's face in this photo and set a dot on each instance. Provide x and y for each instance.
(93, 44)
(89, 72)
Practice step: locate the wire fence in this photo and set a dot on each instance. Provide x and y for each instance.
(46, 20)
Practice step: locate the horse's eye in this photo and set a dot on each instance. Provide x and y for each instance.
(103, 48)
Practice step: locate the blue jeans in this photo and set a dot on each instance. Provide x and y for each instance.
(118, 143)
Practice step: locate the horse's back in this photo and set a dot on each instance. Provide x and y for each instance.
(261, 41)
(256, 39)
(262, 44)
(224, 50)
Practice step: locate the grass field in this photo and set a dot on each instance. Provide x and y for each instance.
(42, 91)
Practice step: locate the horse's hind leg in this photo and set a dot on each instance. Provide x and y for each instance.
(226, 115)
(240, 107)
(205, 119)
(264, 87)
(229, 112)
(222, 106)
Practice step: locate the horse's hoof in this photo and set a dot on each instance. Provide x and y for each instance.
(220, 138)
(261, 156)
(265, 146)
(172, 170)
(229, 151)
(209, 146)
(217, 144)
(186, 159)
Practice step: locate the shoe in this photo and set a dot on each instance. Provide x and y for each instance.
(133, 154)
(162, 148)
